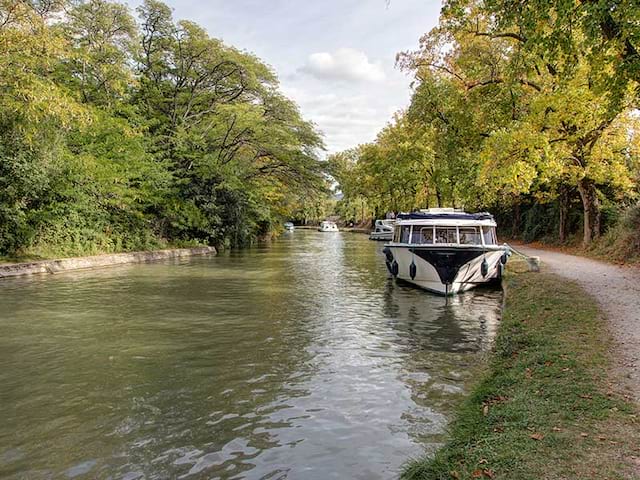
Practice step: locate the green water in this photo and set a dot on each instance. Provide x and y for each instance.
(297, 360)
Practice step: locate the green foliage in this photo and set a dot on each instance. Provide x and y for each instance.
(118, 135)
(621, 243)
(606, 33)
(512, 103)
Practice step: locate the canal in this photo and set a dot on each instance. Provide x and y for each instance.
(297, 360)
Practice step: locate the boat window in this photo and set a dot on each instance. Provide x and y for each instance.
(489, 234)
(426, 235)
(470, 236)
(446, 235)
(415, 235)
(404, 236)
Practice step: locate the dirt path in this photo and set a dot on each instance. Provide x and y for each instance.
(617, 290)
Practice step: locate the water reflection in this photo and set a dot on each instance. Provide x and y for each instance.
(296, 360)
(462, 323)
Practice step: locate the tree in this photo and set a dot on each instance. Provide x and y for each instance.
(102, 35)
(115, 135)
(539, 130)
(604, 33)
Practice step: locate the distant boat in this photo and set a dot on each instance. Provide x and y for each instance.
(289, 226)
(445, 251)
(383, 230)
(327, 226)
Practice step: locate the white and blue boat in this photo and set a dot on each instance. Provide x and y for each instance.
(289, 226)
(446, 251)
(383, 230)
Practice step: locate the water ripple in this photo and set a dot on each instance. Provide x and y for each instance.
(295, 360)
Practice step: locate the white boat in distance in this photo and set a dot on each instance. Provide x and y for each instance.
(445, 251)
(289, 226)
(383, 230)
(328, 226)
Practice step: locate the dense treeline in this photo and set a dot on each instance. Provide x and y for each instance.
(523, 108)
(121, 133)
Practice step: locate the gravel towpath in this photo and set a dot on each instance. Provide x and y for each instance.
(617, 290)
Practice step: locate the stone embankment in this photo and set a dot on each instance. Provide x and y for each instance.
(97, 261)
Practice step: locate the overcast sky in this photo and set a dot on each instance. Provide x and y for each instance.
(334, 58)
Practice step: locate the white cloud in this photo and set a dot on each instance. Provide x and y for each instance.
(346, 118)
(344, 64)
(350, 93)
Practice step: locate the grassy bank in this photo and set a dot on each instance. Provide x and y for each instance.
(547, 407)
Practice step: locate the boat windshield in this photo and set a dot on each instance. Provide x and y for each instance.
(489, 234)
(429, 235)
(470, 236)
(422, 235)
(401, 234)
(446, 235)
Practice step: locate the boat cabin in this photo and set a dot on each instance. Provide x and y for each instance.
(428, 233)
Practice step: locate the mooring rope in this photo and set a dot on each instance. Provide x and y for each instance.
(534, 262)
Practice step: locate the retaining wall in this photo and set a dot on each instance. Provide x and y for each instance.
(97, 261)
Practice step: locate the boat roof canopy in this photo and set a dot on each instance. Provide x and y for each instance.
(426, 215)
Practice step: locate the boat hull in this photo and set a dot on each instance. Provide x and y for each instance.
(446, 270)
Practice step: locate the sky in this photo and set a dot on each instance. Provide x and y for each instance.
(334, 58)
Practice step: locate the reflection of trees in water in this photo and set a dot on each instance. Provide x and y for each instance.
(462, 323)
(442, 337)
(364, 260)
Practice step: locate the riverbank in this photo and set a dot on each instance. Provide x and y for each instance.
(616, 289)
(98, 261)
(549, 405)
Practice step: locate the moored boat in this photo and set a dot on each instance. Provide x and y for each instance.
(383, 230)
(328, 226)
(289, 226)
(446, 251)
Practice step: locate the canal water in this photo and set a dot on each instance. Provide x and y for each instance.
(298, 360)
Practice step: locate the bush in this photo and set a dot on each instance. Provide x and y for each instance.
(622, 241)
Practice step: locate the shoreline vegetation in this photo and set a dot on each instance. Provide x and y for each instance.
(125, 130)
(525, 109)
(548, 404)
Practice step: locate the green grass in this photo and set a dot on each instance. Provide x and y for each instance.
(546, 408)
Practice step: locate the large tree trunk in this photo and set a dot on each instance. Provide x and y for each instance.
(564, 213)
(591, 207)
(439, 197)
